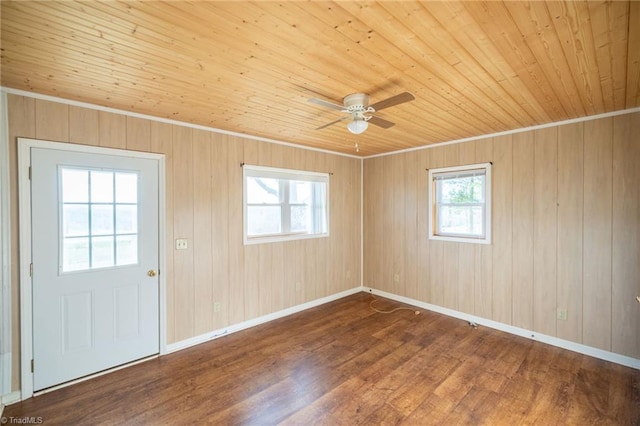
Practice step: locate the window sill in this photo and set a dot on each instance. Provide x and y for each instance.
(485, 241)
(281, 238)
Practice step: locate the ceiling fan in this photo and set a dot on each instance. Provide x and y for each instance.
(359, 110)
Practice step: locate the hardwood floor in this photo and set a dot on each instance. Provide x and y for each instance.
(343, 363)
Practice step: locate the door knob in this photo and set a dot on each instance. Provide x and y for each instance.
(152, 272)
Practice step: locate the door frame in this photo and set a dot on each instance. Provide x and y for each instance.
(5, 255)
(24, 225)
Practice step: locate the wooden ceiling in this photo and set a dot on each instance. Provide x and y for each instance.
(475, 68)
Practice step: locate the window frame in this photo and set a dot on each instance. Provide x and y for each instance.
(433, 204)
(283, 175)
(90, 236)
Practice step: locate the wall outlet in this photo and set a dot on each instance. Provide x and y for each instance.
(562, 314)
(396, 278)
(181, 244)
(216, 307)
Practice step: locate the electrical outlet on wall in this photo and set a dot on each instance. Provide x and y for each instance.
(562, 314)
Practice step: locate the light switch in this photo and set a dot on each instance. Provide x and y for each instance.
(181, 244)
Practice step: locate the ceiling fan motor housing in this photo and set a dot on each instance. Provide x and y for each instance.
(356, 102)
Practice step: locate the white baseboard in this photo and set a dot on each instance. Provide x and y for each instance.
(196, 340)
(10, 398)
(554, 341)
(529, 334)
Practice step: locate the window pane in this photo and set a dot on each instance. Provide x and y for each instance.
(90, 211)
(102, 219)
(319, 216)
(75, 186)
(75, 254)
(284, 204)
(127, 249)
(263, 190)
(126, 187)
(126, 219)
(300, 192)
(301, 219)
(461, 190)
(75, 220)
(461, 220)
(263, 220)
(101, 187)
(101, 252)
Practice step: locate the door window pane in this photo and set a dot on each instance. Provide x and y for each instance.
(75, 220)
(75, 186)
(102, 252)
(126, 219)
(102, 219)
(75, 254)
(101, 187)
(99, 219)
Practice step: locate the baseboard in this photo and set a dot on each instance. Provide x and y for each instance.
(529, 334)
(196, 340)
(10, 398)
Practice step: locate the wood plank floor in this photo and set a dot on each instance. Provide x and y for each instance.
(343, 363)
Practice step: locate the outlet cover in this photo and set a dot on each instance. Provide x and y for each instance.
(562, 314)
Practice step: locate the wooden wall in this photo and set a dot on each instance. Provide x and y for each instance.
(566, 226)
(204, 205)
(566, 232)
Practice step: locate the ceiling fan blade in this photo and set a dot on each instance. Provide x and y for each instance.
(326, 104)
(332, 123)
(381, 122)
(394, 100)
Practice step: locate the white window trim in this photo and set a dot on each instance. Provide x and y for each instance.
(280, 173)
(432, 203)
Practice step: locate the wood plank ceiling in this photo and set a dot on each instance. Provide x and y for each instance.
(475, 68)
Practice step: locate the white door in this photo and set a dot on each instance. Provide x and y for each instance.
(95, 260)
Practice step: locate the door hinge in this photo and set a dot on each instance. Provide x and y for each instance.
(31, 269)
(29, 172)
(32, 366)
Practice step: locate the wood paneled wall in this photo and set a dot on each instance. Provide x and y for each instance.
(566, 232)
(566, 226)
(204, 205)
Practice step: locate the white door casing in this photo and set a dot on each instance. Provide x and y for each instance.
(90, 316)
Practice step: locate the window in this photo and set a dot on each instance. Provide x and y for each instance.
(282, 204)
(460, 200)
(98, 219)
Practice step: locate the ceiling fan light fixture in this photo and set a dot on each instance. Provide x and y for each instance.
(357, 126)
